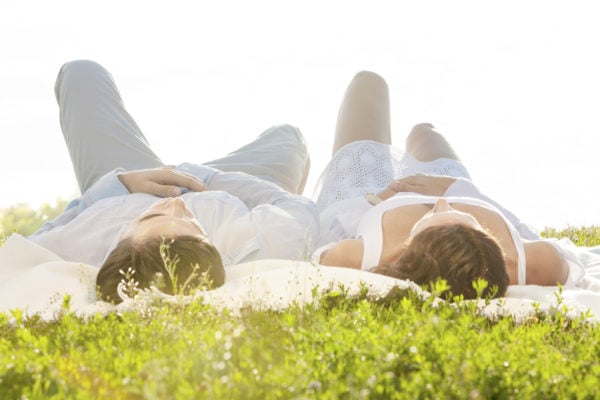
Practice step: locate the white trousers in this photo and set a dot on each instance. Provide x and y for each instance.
(101, 135)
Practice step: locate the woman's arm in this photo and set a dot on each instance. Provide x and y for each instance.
(347, 253)
(545, 265)
(431, 185)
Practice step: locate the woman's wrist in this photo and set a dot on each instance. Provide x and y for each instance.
(386, 194)
(373, 199)
(376, 198)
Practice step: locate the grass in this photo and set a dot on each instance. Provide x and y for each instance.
(338, 347)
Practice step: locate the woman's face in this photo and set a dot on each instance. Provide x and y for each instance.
(167, 218)
(443, 213)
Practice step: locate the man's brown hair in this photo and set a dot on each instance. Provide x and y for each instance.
(456, 253)
(196, 261)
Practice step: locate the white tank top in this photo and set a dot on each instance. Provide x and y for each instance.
(370, 229)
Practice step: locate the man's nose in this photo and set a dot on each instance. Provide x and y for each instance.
(175, 204)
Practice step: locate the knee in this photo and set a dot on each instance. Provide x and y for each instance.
(420, 133)
(293, 137)
(289, 130)
(80, 65)
(422, 129)
(79, 68)
(369, 77)
(78, 74)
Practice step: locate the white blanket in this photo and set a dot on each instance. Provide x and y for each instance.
(36, 281)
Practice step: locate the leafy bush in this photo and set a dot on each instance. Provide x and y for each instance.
(23, 219)
(582, 236)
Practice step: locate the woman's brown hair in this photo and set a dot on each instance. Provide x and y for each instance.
(197, 261)
(456, 253)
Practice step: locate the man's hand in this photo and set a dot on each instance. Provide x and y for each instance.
(431, 185)
(164, 181)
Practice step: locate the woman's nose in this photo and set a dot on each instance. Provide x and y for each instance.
(441, 205)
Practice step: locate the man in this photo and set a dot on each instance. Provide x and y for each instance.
(137, 217)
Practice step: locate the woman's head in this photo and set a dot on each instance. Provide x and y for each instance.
(168, 229)
(458, 253)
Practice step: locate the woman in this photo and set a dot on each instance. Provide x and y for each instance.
(416, 214)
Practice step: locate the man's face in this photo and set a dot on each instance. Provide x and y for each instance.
(167, 218)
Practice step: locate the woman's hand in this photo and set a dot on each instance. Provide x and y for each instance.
(431, 185)
(163, 182)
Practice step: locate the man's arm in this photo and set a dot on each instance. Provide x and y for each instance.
(162, 182)
(286, 225)
(249, 189)
(107, 186)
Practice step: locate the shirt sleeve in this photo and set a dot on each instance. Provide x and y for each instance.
(282, 221)
(465, 188)
(251, 190)
(107, 186)
(341, 219)
(282, 224)
(110, 185)
(202, 172)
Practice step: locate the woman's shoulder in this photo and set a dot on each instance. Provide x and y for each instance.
(545, 265)
(346, 253)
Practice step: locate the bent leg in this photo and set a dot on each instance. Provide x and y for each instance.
(425, 144)
(99, 133)
(365, 111)
(278, 155)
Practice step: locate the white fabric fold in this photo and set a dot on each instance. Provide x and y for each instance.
(36, 281)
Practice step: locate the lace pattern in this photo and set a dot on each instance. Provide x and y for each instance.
(367, 166)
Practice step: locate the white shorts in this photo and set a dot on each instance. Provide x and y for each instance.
(367, 166)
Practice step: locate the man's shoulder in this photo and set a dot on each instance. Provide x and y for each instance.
(217, 198)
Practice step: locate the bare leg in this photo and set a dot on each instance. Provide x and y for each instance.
(426, 144)
(365, 111)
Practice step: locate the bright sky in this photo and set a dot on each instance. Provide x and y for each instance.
(514, 85)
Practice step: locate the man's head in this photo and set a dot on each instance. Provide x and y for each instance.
(166, 234)
(457, 253)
